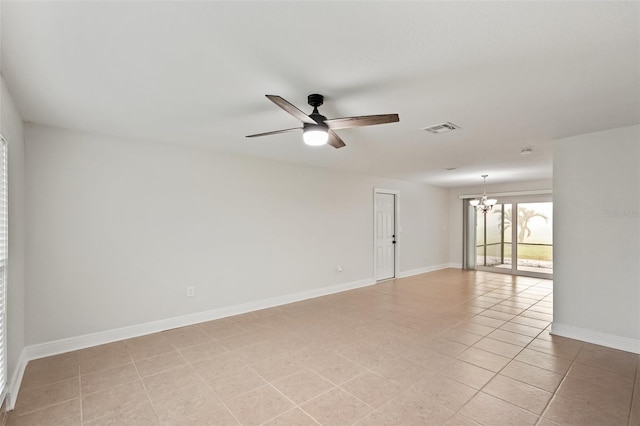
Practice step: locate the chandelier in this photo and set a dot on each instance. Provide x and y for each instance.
(484, 204)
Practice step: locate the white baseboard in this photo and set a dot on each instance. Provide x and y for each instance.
(16, 380)
(596, 337)
(418, 271)
(56, 347)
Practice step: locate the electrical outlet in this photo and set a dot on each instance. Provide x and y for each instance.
(191, 290)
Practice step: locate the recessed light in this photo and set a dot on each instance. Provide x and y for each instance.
(441, 128)
(451, 168)
(526, 151)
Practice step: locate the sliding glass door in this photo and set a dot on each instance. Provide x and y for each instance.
(515, 237)
(493, 242)
(534, 234)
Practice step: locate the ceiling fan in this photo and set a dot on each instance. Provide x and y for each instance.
(316, 129)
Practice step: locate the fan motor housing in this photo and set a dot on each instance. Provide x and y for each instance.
(315, 100)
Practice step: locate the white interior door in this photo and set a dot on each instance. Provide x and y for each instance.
(385, 238)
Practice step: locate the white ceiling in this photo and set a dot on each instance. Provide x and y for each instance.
(510, 74)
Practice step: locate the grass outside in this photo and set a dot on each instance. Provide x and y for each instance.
(525, 251)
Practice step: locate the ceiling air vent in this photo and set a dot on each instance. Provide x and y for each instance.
(441, 128)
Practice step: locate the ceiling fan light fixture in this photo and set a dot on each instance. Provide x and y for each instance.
(315, 135)
(316, 129)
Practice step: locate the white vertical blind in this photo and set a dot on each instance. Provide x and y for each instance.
(3, 264)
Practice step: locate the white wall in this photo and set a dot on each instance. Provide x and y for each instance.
(11, 128)
(455, 208)
(596, 187)
(118, 229)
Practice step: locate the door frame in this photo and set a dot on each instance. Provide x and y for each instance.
(396, 221)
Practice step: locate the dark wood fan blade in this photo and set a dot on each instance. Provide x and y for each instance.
(275, 132)
(291, 109)
(363, 120)
(334, 140)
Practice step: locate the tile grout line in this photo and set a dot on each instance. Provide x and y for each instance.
(295, 405)
(144, 386)
(497, 374)
(202, 379)
(485, 385)
(287, 412)
(47, 406)
(635, 389)
(478, 391)
(105, 389)
(564, 377)
(80, 392)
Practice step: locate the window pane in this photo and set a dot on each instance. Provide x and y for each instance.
(535, 237)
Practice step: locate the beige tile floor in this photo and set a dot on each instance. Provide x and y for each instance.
(450, 347)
